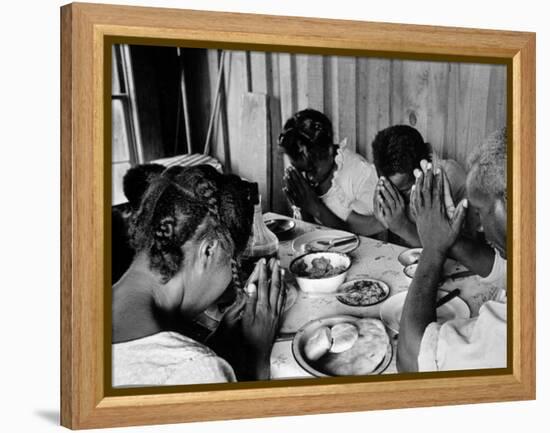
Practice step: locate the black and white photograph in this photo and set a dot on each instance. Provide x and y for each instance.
(294, 216)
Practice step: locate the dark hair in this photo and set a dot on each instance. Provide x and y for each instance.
(237, 209)
(137, 179)
(307, 134)
(399, 149)
(191, 203)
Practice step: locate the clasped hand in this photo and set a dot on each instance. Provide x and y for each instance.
(256, 315)
(389, 206)
(299, 192)
(438, 223)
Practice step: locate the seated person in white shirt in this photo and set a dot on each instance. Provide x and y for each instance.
(191, 226)
(398, 152)
(479, 342)
(330, 183)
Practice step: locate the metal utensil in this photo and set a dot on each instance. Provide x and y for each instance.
(461, 274)
(337, 241)
(443, 300)
(323, 245)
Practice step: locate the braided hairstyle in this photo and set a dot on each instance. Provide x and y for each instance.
(308, 135)
(183, 204)
(137, 179)
(399, 149)
(237, 213)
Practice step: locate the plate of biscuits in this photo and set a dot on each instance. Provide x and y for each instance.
(343, 345)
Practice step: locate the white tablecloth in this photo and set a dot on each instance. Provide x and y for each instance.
(374, 259)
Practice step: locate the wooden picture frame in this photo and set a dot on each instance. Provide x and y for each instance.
(85, 183)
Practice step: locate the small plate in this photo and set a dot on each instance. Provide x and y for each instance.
(280, 226)
(307, 241)
(410, 270)
(410, 257)
(353, 296)
(390, 311)
(450, 268)
(305, 333)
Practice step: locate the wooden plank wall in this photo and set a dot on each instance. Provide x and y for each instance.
(453, 105)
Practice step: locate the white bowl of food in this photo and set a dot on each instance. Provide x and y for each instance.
(320, 272)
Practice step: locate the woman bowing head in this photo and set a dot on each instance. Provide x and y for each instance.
(330, 183)
(191, 225)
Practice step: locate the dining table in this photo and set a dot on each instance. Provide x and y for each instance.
(372, 258)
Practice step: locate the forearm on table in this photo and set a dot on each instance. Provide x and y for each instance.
(477, 257)
(419, 309)
(366, 225)
(247, 364)
(224, 347)
(409, 233)
(262, 370)
(323, 214)
(307, 217)
(257, 366)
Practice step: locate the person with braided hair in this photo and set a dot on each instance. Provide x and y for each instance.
(330, 183)
(134, 184)
(191, 226)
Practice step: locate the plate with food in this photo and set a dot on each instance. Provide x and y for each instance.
(326, 240)
(343, 346)
(362, 292)
(321, 272)
(390, 311)
(280, 226)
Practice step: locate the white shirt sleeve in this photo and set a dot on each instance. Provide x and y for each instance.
(353, 185)
(364, 188)
(464, 344)
(498, 275)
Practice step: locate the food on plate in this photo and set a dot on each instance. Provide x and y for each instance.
(348, 348)
(344, 336)
(336, 339)
(362, 293)
(319, 344)
(364, 356)
(321, 267)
